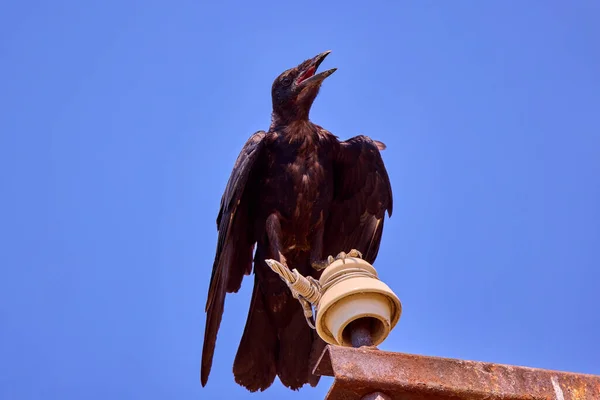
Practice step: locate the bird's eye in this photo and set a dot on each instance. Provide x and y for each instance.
(286, 81)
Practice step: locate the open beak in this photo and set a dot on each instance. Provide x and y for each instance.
(308, 77)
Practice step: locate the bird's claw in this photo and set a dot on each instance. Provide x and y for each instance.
(320, 265)
(352, 253)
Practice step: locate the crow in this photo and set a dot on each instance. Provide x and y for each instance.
(299, 195)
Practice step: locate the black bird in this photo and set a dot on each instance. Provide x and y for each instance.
(298, 194)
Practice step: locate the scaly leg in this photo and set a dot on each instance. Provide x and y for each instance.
(275, 290)
(273, 227)
(316, 248)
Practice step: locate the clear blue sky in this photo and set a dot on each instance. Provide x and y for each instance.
(120, 122)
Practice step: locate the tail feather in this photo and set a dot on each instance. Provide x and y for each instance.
(276, 341)
(289, 352)
(295, 344)
(254, 364)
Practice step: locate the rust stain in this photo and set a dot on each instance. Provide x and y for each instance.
(361, 372)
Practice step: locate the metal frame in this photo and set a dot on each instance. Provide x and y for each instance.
(368, 373)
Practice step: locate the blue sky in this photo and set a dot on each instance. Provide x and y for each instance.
(121, 121)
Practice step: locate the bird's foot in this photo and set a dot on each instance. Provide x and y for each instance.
(352, 253)
(320, 265)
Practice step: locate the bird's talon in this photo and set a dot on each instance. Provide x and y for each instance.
(354, 253)
(341, 256)
(320, 265)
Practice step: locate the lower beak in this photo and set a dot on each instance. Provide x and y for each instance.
(315, 64)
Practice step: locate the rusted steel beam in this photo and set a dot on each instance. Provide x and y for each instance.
(363, 372)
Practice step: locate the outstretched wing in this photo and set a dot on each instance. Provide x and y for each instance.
(235, 244)
(362, 195)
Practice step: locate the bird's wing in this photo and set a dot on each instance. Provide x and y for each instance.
(362, 195)
(235, 244)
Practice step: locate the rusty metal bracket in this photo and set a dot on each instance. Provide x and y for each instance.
(366, 372)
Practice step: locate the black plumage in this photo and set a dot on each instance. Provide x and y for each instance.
(298, 194)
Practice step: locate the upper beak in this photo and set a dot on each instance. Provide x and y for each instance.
(312, 68)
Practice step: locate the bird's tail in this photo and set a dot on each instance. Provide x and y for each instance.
(276, 342)
(255, 362)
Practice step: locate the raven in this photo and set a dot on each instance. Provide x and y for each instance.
(298, 194)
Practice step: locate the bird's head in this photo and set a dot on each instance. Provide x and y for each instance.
(294, 91)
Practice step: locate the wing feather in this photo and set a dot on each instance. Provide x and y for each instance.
(362, 195)
(235, 243)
